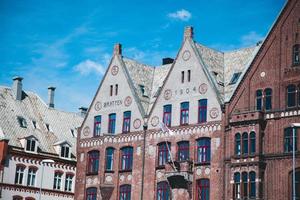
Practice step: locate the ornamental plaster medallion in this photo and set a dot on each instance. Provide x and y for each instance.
(203, 88)
(98, 106)
(159, 175)
(89, 181)
(167, 94)
(108, 178)
(186, 55)
(199, 171)
(207, 171)
(154, 121)
(137, 123)
(122, 178)
(262, 74)
(128, 101)
(129, 177)
(86, 131)
(214, 113)
(114, 70)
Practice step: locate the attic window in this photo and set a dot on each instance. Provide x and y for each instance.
(64, 151)
(34, 124)
(30, 145)
(72, 132)
(235, 78)
(22, 122)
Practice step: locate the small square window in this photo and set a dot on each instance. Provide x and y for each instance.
(34, 124)
(22, 122)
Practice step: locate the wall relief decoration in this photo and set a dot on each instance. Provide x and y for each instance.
(154, 121)
(203, 88)
(86, 131)
(98, 106)
(114, 70)
(128, 101)
(186, 55)
(214, 113)
(137, 123)
(167, 94)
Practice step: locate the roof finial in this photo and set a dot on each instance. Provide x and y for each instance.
(118, 49)
(188, 32)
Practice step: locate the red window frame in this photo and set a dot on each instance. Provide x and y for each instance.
(167, 115)
(112, 123)
(163, 153)
(202, 111)
(125, 192)
(203, 186)
(163, 191)
(184, 113)
(91, 193)
(204, 149)
(97, 125)
(93, 162)
(183, 148)
(126, 158)
(126, 122)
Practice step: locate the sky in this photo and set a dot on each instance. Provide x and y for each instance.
(69, 43)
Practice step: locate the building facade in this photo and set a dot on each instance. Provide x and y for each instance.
(228, 116)
(37, 146)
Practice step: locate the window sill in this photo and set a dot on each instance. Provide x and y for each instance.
(109, 171)
(125, 170)
(202, 163)
(91, 173)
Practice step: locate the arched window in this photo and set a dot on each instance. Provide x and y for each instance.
(202, 189)
(183, 150)
(203, 150)
(163, 191)
(252, 190)
(268, 99)
(202, 110)
(252, 142)
(245, 184)
(167, 115)
(288, 140)
(57, 180)
(184, 113)
(93, 162)
(237, 185)
(125, 192)
(20, 168)
(91, 193)
(163, 153)
(245, 143)
(296, 56)
(126, 158)
(259, 97)
(109, 159)
(97, 126)
(112, 123)
(237, 146)
(291, 95)
(126, 121)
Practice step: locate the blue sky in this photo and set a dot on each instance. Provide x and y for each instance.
(68, 44)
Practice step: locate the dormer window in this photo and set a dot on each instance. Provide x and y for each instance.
(235, 78)
(30, 144)
(22, 122)
(65, 151)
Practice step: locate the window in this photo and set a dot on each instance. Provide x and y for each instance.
(259, 97)
(182, 77)
(93, 162)
(126, 158)
(202, 189)
(167, 115)
(17, 198)
(125, 192)
(237, 146)
(22, 122)
(109, 159)
(202, 110)
(142, 89)
(291, 95)
(30, 144)
(183, 151)
(245, 143)
(65, 151)
(163, 191)
(235, 78)
(34, 124)
(57, 180)
(29, 198)
(203, 150)
(111, 90)
(116, 89)
(184, 113)
(163, 153)
(245, 189)
(296, 59)
(112, 123)
(237, 185)
(126, 121)
(252, 142)
(91, 193)
(47, 127)
(19, 174)
(245, 184)
(31, 176)
(268, 99)
(97, 125)
(252, 190)
(288, 140)
(189, 75)
(69, 182)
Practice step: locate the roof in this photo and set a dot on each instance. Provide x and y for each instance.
(32, 108)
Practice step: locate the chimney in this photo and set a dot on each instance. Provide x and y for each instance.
(17, 87)
(166, 61)
(83, 111)
(118, 49)
(51, 96)
(188, 32)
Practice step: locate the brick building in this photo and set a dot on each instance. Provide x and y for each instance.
(225, 141)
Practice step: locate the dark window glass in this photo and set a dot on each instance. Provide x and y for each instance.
(68, 182)
(245, 184)
(268, 99)
(57, 180)
(183, 150)
(30, 145)
(245, 143)
(97, 125)
(235, 78)
(259, 100)
(19, 174)
(17, 198)
(291, 96)
(202, 110)
(288, 140)
(116, 89)
(112, 123)
(182, 77)
(252, 142)
(237, 148)
(189, 75)
(93, 162)
(163, 191)
(163, 153)
(184, 113)
(202, 189)
(296, 59)
(109, 158)
(126, 158)
(237, 185)
(64, 151)
(252, 190)
(125, 192)
(126, 121)
(167, 115)
(91, 193)
(203, 150)
(111, 90)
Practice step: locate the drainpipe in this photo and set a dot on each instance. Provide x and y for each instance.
(145, 127)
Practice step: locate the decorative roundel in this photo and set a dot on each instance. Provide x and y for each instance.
(167, 94)
(98, 106)
(154, 121)
(86, 131)
(214, 113)
(137, 123)
(108, 178)
(186, 55)
(128, 101)
(203, 88)
(114, 70)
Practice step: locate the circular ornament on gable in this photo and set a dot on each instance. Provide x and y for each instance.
(86, 131)
(214, 113)
(203, 88)
(98, 106)
(167, 94)
(114, 70)
(128, 101)
(262, 74)
(186, 55)
(137, 123)
(154, 121)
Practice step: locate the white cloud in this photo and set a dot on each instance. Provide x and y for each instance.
(251, 38)
(88, 66)
(182, 15)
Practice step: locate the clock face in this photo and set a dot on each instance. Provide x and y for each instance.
(114, 70)
(214, 113)
(98, 106)
(86, 131)
(154, 121)
(203, 88)
(186, 55)
(167, 94)
(128, 101)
